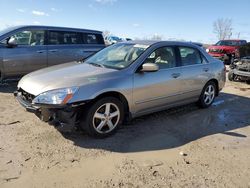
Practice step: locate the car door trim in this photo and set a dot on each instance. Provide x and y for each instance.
(157, 98)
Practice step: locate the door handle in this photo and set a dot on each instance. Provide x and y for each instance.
(54, 50)
(176, 75)
(41, 51)
(206, 69)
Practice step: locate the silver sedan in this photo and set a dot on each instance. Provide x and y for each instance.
(121, 82)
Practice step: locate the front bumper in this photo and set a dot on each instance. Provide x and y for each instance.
(28, 106)
(241, 73)
(220, 56)
(62, 117)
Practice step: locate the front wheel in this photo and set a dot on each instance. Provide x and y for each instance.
(103, 117)
(208, 95)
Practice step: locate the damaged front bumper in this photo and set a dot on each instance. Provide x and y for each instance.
(245, 74)
(63, 117)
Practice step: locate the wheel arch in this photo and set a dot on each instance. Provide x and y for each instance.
(117, 95)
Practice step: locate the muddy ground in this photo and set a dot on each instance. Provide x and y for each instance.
(181, 147)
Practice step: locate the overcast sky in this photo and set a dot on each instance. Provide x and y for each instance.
(190, 20)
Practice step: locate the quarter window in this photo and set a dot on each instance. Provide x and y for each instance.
(163, 57)
(93, 38)
(31, 38)
(190, 56)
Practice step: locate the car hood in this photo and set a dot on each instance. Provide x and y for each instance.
(62, 76)
(223, 47)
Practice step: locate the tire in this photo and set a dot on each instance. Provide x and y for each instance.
(231, 76)
(207, 95)
(98, 121)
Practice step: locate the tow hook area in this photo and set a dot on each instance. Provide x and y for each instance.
(62, 119)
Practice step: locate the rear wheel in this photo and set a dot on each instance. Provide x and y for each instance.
(103, 117)
(208, 95)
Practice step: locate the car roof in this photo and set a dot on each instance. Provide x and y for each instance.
(57, 28)
(154, 42)
(233, 40)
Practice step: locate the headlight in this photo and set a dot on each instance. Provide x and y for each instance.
(207, 50)
(58, 96)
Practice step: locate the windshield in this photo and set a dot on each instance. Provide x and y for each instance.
(117, 56)
(228, 43)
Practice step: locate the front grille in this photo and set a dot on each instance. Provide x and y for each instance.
(216, 50)
(27, 97)
(245, 66)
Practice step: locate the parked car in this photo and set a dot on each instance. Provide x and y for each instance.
(112, 40)
(120, 82)
(240, 68)
(226, 50)
(24, 49)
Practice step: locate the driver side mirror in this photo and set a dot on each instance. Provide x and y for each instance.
(149, 67)
(12, 42)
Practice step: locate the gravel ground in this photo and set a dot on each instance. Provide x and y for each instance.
(181, 147)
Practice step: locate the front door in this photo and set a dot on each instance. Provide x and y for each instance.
(158, 89)
(30, 53)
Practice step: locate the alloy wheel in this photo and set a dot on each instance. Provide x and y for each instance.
(209, 94)
(106, 118)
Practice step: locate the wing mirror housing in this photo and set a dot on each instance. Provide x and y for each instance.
(149, 67)
(12, 43)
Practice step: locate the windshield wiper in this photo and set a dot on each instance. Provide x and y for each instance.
(96, 64)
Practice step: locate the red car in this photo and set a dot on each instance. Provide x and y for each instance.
(226, 50)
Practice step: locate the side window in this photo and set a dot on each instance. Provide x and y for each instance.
(71, 38)
(163, 57)
(190, 56)
(61, 37)
(93, 38)
(30, 38)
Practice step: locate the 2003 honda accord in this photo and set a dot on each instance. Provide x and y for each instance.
(121, 82)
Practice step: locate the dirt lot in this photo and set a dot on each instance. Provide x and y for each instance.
(182, 147)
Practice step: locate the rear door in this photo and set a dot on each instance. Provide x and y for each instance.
(63, 47)
(30, 53)
(195, 72)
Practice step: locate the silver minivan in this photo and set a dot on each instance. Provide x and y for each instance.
(24, 49)
(122, 81)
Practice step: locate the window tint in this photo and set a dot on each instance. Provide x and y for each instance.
(61, 37)
(90, 38)
(32, 38)
(163, 57)
(190, 56)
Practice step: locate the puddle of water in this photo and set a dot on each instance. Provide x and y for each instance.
(216, 103)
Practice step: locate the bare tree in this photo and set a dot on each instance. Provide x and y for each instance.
(157, 37)
(223, 28)
(106, 33)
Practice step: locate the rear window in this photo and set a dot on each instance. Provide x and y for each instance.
(90, 38)
(62, 37)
